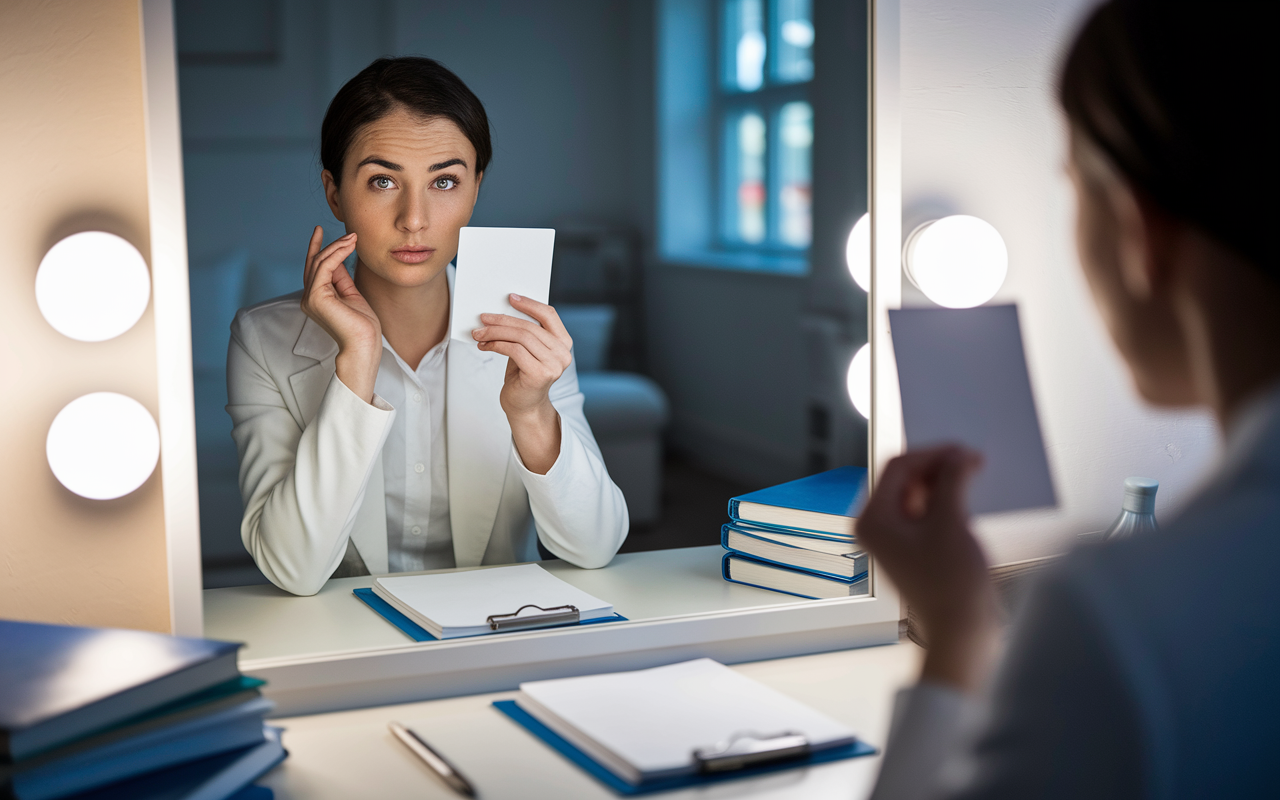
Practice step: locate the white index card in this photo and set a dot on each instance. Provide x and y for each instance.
(963, 377)
(494, 263)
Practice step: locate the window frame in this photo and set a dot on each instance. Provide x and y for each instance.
(726, 106)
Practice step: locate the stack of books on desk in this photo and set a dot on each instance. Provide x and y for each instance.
(92, 713)
(798, 537)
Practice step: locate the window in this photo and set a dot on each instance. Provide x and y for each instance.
(766, 123)
(736, 133)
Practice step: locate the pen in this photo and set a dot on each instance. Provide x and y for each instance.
(432, 759)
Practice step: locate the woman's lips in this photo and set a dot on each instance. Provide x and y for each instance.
(412, 255)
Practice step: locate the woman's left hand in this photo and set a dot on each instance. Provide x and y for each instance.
(539, 354)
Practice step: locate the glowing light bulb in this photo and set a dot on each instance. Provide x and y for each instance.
(857, 252)
(92, 286)
(103, 445)
(958, 261)
(858, 381)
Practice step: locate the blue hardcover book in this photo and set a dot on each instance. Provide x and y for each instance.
(224, 777)
(228, 729)
(840, 560)
(58, 683)
(825, 503)
(738, 568)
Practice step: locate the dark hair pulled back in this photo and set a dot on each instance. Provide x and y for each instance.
(1180, 96)
(423, 86)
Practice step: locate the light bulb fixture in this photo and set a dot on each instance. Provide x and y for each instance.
(857, 252)
(92, 286)
(103, 445)
(858, 381)
(958, 261)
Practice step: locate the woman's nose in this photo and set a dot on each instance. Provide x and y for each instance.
(413, 215)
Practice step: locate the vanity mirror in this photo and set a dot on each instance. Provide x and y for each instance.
(703, 163)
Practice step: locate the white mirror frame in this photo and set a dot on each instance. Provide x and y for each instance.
(349, 679)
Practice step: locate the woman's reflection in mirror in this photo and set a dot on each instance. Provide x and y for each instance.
(368, 441)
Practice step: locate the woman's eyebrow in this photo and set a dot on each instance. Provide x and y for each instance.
(382, 162)
(450, 163)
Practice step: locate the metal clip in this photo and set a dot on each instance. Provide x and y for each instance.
(556, 615)
(749, 749)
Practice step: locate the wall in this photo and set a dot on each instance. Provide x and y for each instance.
(71, 87)
(982, 136)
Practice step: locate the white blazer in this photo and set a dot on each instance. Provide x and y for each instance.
(311, 461)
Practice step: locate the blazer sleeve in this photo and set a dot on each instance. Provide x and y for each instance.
(302, 487)
(1061, 722)
(579, 512)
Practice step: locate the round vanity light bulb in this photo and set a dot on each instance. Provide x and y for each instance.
(857, 252)
(858, 381)
(958, 261)
(103, 445)
(92, 286)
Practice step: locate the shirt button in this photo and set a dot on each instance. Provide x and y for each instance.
(415, 530)
(417, 397)
(419, 468)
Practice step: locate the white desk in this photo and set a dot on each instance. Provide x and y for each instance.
(642, 586)
(331, 652)
(351, 754)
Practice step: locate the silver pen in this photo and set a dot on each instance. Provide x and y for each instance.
(447, 772)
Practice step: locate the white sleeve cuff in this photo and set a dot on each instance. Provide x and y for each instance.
(929, 721)
(551, 474)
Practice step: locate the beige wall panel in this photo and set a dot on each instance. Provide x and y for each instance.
(73, 143)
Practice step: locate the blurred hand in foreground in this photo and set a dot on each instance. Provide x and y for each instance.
(916, 526)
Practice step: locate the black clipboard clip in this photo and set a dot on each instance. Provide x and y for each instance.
(748, 749)
(556, 615)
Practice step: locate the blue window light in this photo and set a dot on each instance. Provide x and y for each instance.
(736, 133)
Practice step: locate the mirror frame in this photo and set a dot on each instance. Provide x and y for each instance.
(349, 679)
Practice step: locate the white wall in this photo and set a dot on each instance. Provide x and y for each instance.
(982, 136)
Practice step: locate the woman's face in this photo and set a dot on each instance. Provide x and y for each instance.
(408, 186)
(1127, 268)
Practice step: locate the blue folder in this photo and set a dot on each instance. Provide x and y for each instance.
(618, 785)
(746, 530)
(839, 492)
(417, 633)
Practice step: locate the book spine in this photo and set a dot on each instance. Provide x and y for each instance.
(733, 510)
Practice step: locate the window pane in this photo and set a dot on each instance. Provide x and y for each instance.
(745, 46)
(794, 40)
(749, 177)
(795, 199)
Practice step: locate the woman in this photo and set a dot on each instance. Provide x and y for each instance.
(1146, 667)
(370, 443)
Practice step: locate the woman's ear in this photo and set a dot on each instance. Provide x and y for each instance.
(331, 194)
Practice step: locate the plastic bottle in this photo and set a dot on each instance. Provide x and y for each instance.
(1138, 514)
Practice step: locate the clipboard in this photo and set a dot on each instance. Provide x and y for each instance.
(557, 618)
(723, 763)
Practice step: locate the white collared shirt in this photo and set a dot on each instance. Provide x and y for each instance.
(414, 463)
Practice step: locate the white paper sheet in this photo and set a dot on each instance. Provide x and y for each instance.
(496, 262)
(451, 604)
(963, 376)
(646, 724)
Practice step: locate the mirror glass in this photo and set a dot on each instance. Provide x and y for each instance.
(703, 163)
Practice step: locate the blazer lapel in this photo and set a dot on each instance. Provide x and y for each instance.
(478, 444)
(309, 384)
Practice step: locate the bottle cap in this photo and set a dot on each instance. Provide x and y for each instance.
(1140, 495)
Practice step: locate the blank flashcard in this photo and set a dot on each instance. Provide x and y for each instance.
(963, 376)
(494, 263)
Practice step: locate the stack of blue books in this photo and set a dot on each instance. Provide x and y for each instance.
(92, 714)
(798, 537)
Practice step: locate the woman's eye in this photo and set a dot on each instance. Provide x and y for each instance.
(444, 183)
(383, 183)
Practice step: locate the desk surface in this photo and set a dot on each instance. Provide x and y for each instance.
(352, 754)
(650, 585)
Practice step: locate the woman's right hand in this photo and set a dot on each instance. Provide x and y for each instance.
(331, 298)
